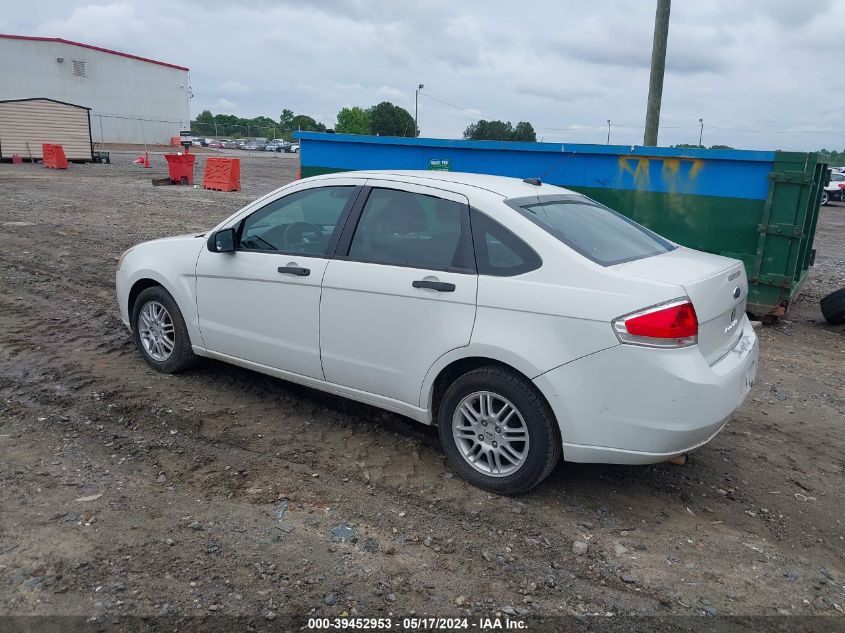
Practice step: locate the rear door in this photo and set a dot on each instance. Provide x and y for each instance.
(400, 292)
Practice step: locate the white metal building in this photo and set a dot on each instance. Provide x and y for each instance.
(132, 99)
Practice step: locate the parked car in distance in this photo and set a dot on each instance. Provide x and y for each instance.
(525, 320)
(230, 144)
(216, 145)
(292, 147)
(835, 189)
(253, 146)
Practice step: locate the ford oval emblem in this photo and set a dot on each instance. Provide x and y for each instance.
(737, 292)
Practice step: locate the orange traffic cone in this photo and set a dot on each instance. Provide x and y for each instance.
(147, 160)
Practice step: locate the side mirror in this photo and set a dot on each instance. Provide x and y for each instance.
(222, 241)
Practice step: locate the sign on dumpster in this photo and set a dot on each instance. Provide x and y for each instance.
(440, 164)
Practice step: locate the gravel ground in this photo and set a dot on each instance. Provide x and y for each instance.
(222, 492)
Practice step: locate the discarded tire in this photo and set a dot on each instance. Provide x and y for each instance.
(833, 307)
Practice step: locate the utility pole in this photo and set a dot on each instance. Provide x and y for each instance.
(700, 131)
(608, 131)
(658, 66)
(416, 110)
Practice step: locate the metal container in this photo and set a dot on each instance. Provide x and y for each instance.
(757, 206)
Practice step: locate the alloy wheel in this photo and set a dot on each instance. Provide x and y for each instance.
(156, 330)
(490, 434)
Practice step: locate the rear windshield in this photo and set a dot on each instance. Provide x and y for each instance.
(599, 233)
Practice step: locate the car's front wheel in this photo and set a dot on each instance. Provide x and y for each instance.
(160, 332)
(825, 198)
(497, 431)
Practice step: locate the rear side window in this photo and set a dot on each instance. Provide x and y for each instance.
(401, 228)
(499, 252)
(593, 230)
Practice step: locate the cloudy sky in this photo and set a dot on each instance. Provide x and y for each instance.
(763, 74)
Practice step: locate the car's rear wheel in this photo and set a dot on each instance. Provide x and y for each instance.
(825, 197)
(497, 431)
(160, 332)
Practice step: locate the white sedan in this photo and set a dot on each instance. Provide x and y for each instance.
(525, 320)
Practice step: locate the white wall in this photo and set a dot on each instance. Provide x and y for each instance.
(119, 90)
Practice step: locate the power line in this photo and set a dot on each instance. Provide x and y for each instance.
(451, 105)
(588, 128)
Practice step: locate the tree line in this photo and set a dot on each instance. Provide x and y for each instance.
(229, 125)
(837, 159)
(382, 119)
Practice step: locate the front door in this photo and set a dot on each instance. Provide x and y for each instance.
(261, 302)
(401, 290)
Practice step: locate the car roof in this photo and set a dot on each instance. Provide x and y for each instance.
(504, 186)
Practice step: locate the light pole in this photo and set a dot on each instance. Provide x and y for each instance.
(700, 131)
(416, 109)
(608, 131)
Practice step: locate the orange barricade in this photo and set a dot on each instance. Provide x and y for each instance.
(54, 156)
(222, 174)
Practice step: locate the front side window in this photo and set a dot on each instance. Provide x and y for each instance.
(411, 229)
(300, 223)
(593, 230)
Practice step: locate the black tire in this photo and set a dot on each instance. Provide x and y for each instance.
(182, 356)
(544, 446)
(833, 307)
(825, 198)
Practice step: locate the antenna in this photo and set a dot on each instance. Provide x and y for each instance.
(539, 181)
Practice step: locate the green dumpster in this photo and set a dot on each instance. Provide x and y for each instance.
(757, 206)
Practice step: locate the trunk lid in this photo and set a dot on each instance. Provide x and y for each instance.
(716, 285)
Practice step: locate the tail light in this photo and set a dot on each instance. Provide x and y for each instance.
(841, 185)
(672, 324)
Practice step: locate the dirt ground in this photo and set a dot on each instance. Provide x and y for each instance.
(215, 493)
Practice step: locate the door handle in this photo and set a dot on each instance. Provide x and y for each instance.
(440, 286)
(294, 270)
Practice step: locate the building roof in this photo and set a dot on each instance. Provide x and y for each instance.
(45, 99)
(91, 46)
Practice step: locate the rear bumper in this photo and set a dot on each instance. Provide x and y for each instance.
(638, 405)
